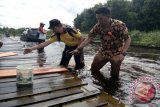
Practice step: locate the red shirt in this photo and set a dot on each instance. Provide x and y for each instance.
(41, 30)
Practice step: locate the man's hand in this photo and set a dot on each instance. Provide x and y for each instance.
(27, 50)
(75, 52)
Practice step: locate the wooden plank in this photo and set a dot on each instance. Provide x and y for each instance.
(8, 49)
(31, 92)
(11, 46)
(20, 63)
(8, 45)
(33, 64)
(67, 99)
(40, 70)
(12, 82)
(18, 57)
(91, 102)
(34, 57)
(5, 54)
(13, 79)
(40, 98)
(57, 84)
(7, 59)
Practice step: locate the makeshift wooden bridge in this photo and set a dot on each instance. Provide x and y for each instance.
(52, 86)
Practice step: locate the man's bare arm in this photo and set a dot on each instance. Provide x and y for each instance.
(85, 42)
(44, 44)
(82, 45)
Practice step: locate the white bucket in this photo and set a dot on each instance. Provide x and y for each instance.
(24, 74)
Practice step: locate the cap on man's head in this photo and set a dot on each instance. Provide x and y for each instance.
(53, 23)
(42, 23)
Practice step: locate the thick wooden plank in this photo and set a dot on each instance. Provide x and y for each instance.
(5, 54)
(10, 46)
(14, 65)
(47, 80)
(18, 60)
(57, 84)
(40, 70)
(13, 79)
(31, 92)
(6, 50)
(40, 98)
(18, 57)
(91, 102)
(67, 99)
(46, 64)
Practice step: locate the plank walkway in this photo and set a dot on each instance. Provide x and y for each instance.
(58, 89)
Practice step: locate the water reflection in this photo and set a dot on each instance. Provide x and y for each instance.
(150, 53)
(109, 85)
(41, 60)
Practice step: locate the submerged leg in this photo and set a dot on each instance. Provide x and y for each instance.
(98, 62)
(115, 68)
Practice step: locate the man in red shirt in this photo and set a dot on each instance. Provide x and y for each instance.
(41, 36)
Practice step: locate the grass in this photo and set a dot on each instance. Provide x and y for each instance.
(145, 38)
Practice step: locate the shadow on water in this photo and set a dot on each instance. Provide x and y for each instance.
(41, 60)
(150, 53)
(109, 85)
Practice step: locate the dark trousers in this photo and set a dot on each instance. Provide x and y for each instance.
(41, 49)
(66, 56)
(99, 61)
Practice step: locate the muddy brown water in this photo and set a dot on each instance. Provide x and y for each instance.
(139, 63)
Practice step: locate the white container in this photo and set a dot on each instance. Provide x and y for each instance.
(24, 74)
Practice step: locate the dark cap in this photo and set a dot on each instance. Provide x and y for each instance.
(42, 23)
(53, 23)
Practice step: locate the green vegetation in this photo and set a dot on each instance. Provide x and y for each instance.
(11, 31)
(137, 14)
(142, 15)
(150, 39)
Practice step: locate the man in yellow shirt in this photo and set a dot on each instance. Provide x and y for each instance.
(71, 37)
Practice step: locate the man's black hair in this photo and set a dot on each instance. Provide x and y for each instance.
(103, 10)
